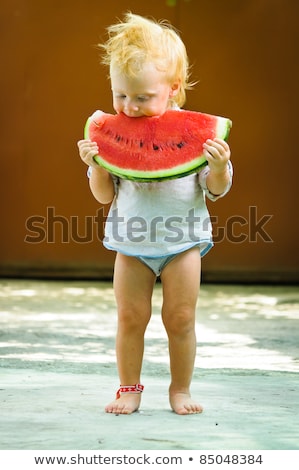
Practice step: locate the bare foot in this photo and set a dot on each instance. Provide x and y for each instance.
(182, 404)
(125, 404)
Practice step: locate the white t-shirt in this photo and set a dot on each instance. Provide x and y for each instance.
(157, 219)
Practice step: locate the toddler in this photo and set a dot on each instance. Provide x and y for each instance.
(149, 73)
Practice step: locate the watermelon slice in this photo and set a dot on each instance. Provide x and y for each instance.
(154, 148)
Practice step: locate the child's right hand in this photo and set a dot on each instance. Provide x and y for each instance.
(87, 150)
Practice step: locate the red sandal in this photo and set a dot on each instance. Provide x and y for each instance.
(137, 388)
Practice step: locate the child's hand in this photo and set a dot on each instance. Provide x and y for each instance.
(87, 150)
(217, 153)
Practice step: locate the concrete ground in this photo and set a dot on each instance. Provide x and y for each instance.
(58, 370)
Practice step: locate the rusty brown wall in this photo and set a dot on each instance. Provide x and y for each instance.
(244, 56)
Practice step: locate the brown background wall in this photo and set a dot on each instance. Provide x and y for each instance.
(245, 59)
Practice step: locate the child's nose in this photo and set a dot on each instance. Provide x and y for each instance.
(131, 106)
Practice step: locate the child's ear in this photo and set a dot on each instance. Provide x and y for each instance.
(175, 88)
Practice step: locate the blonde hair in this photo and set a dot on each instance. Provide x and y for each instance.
(138, 40)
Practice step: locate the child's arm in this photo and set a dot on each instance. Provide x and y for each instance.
(100, 181)
(217, 153)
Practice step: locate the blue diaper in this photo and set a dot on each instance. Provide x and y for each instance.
(157, 264)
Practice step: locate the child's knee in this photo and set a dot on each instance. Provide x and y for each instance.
(131, 318)
(179, 322)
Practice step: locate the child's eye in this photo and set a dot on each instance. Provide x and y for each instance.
(142, 98)
(119, 96)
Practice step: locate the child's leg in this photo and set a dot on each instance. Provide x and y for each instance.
(133, 286)
(181, 281)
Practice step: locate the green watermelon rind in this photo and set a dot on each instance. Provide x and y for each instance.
(157, 175)
(179, 171)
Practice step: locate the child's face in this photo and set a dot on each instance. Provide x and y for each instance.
(146, 94)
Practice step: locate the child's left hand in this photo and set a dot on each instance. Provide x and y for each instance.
(217, 153)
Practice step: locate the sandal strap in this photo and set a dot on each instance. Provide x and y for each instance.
(137, 388)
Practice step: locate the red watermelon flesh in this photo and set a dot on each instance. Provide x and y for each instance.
(154, 148)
